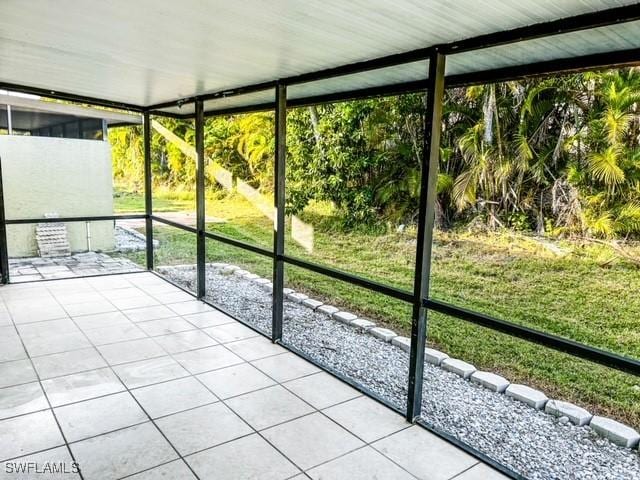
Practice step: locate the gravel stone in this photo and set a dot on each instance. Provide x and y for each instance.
(577, 415)
(529, 442)
(490, 380)
(129, 240)
(532, 397)
(458, 367)
(383, 333)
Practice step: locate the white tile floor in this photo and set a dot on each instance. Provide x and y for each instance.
(130, 377)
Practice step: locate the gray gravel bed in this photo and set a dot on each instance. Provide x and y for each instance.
(128, 240)
(530, 442)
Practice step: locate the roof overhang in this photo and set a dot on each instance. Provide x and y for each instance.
(29, 113)
(150, 55)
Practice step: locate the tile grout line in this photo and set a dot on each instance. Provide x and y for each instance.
(277, 383)
(134, 389)
(366, 443)
(195, 375)
(231, 409)
(139, 405)
(46, 396)
(232, 321)
(31, 283)
(321, 411)
(329, 371)
(125, 363)
(457, 475)
(369, 444)
(254, 431)
(94, 346)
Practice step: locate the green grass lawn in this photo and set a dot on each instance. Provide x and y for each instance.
(570, 289)
(128, 202)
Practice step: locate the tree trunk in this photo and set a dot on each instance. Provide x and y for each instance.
(315, 121)
(540, 216)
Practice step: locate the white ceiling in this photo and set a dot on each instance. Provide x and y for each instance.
(145, 52)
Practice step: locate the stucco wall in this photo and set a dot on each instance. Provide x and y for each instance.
(67, 176)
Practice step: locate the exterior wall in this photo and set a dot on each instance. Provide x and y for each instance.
(69, 177)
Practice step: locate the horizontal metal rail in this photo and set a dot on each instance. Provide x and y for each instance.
(372, 285)
(212, 96)
(171, 223)
(358, 94)
(239, 244)
(97, 218)
(585, 21)
(71, 97)
(180, 116)
(576, 349)
(256, 107)
(326, 271)
(598, 61)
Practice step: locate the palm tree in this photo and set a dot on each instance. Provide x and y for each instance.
(609, 177)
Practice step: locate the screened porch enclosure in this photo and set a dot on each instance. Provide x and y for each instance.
(235, 310)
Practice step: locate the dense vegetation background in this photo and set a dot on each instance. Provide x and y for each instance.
(559, 156)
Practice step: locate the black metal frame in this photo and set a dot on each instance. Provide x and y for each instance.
(434, 85)
(200, 206)
(148, 200)
(4, 253)
(426, 215)
(95, 218)
(279, 203)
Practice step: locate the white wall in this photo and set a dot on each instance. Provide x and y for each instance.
(71, 177)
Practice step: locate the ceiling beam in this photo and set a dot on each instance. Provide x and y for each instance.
(71, 97)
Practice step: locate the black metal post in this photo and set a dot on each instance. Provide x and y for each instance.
(148, 203)
(279, 197)
(426, 215)
(200, 259)
(4, 253)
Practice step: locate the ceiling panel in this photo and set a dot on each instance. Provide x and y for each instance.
(598, 40)
(145, 52)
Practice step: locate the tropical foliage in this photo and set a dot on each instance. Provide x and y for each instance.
(559, 156)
